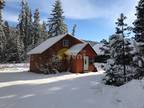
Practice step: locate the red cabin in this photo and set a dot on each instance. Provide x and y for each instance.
(65, 53)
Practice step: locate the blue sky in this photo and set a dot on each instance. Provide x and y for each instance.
(95, 19)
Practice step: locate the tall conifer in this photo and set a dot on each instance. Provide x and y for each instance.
(56, 23)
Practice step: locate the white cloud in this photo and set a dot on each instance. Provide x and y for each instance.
(86, 9)
(80, 9)
(83, 9)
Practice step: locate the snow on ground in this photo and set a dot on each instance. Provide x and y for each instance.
(22, 89)
(14, 67)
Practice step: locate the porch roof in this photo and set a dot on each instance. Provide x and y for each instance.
(74, 50)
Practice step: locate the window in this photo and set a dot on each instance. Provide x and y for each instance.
(66, 43)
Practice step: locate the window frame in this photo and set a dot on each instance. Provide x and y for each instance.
(66, 43)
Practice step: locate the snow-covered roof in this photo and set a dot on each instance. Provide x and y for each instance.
(74, 50)
(98, 47)
(46, 44)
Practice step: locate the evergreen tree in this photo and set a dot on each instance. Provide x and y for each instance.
(6, 29)
(36, 28)
(2, 34)
(30, 28)
(120, 29)
(138, 64)
(105, 47)
(74, 30)
(139, 26)
(19, 47)
(139, 22)
(2, 4)
(118, 72)
(44, 34)
(139, 37)
(25, 25)
(11, 48)
(56, 23)
(22, 21)
(104, 41)
(114, 72)
(2, 44)
(8, 41)
(121, 25)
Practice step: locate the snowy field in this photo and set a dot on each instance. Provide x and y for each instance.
(22, 89)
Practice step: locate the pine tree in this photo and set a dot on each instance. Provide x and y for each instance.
(2, 4)
(139, 27)
(74, 29)
(44, 34)
(11, 48)
(114, 74)
(19, 47)
(6, 29)
(120, 29)
(2, 44)
(104, 41)
(56, 23)
(105, 51)
(9, 40)
(138, 64)
(25, 25)
(2, 34)
(139, 37)
(36, 28)
(30, 27)
(105, 47)
(118, 72)
(139, 22)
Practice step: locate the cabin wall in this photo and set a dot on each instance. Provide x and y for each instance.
(35, 61)
(76, 65)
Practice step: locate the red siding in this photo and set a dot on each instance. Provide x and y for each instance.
(77, 65)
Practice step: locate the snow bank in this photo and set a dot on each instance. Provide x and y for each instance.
(131, 95)
(19, 67)
(14, 65)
